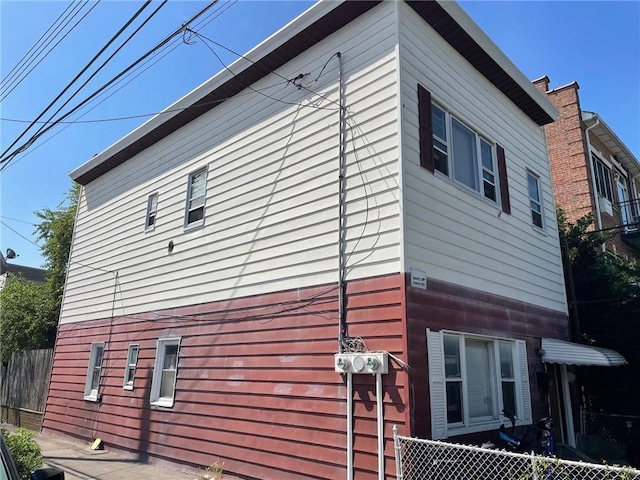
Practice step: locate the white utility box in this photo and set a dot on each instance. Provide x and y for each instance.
(369, 362)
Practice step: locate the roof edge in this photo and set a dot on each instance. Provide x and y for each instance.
(295, 26)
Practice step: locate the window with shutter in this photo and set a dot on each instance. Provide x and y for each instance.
(472, 379)
(461, 153)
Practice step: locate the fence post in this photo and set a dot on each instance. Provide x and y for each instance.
(396, 447)
(534, 471)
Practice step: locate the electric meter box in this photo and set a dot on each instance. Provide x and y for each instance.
(369, 362)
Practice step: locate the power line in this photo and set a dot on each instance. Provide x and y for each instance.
(176, 43)
(28, 54)
(143, 115)
(109, 58)
(6, 157)
(4, 95)
(17, 220)
(64, 90)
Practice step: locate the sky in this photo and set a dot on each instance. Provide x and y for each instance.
(594, 43)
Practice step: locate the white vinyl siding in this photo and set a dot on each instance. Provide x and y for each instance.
(94, 372)
(270, 221)
(453, 235)
(473, 379)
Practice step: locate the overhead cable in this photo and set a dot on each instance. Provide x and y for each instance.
(6, 157)
(35, 46)
(18, 80)
(164, 2)
(70, 84)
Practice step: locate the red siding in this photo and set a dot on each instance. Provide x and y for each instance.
(452, 307)
(256, 387)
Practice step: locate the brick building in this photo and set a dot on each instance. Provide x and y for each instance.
(593, 171)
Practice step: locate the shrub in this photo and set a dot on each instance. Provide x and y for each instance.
(25, 451)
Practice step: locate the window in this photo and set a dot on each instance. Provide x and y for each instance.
(473, 378)
(469, 157)
(603, 178)
(165, 372)
(93, 373)
(534, 199)
(130, 369)
(454, 149)
(196, 193)
(152, 207)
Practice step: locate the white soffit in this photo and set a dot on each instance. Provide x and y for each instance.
(567, 353)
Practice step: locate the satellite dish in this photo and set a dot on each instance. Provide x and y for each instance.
(11, 254)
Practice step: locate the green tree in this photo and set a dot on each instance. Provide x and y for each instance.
(29, 311)
(22, 325)
(55, 232)
(607, 304)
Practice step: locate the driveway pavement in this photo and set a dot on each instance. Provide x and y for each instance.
(79, 462)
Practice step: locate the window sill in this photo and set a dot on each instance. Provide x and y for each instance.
(480, 427)
(538, 230)
(128, 387)
(163, 402)
(92, 398)
(193, 227)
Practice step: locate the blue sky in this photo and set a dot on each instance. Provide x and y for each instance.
(594, 43)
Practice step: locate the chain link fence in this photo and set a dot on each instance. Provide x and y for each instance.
(621, 430)
(433, 460)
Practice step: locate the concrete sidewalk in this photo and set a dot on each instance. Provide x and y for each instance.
(79, 462)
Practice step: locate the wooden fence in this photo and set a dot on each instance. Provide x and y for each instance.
(24, 383)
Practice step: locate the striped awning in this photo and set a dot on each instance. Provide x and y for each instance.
(567, 353)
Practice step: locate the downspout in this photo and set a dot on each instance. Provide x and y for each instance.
(593, 173)
(342, 321)
(380, 421)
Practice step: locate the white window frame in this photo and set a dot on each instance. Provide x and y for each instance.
(156, 383)
(131, 366)
(189, 208)
(91, 391)
(152, 212)
(535, 205)
(602, 172)
(483, 175)
(437, 384)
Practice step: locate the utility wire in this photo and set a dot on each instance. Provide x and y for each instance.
(170, 48)
(135, 32)
(6, 157)
(143, 115)
(40, 247)
(28, 55)
(4, 95)
(113, 39)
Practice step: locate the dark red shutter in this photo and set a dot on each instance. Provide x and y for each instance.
(504, 184)
(426, 128)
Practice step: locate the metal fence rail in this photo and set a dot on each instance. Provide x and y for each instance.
(618, 429)
(418, 459)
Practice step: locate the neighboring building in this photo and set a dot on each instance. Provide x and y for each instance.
(593, 171)
(228, 248)
(28, 273)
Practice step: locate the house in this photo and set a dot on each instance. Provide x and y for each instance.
(593, 171)
(354, 229)
(30, 274)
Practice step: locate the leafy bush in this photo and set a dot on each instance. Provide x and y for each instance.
(25, 451)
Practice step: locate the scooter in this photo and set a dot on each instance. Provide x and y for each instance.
(538, 438)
